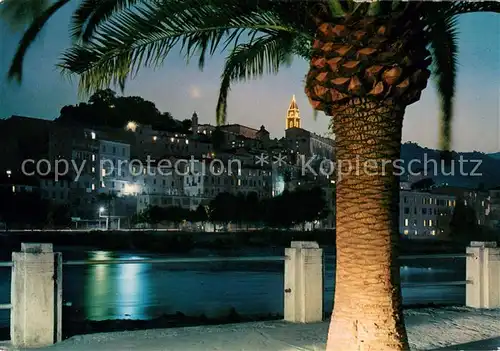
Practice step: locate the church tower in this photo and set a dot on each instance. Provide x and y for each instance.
(194, 123)
(293, 115)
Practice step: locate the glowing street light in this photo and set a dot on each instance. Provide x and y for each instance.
(131, 126)
(101, 210)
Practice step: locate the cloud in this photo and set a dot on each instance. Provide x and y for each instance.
(194, 92)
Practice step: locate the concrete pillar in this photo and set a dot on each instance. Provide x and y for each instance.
(36, 296)
(483, 272)
(303, 282)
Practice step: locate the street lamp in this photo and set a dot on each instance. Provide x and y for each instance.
(101, 211)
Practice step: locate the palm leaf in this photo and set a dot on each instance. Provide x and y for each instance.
(265, 55)
(16, 67)
(443, 39)
(461, 7)
(144, 36)
(20, 13)
(91, 13)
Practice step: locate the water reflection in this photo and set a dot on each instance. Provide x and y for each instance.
(132, 285)
(144, 291)
(115, 291)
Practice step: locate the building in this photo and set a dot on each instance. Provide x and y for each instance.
(493, 210)
(424, 215)
(292, 115)
(308, 144)
(208, 180)
(477, 200)
(303, 142)
(114, 158)
(23, 138)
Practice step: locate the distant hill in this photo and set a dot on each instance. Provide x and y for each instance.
(487, 173)
(495, 155)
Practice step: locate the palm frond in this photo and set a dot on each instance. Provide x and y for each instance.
(16, 66)
(145, 35)
(265, 55)
(461, 7)
(20, 13)
(443, 39)
(91, 13)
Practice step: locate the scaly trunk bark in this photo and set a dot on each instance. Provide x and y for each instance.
(367, 311)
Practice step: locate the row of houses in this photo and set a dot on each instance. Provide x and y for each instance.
(141, 166)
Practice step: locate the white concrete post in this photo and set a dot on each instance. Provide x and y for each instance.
(483, 272)
(36, 296)
(303, 282)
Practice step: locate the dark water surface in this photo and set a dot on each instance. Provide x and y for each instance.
(147, 291)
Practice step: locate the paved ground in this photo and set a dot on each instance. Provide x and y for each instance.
(488, 344)
(442, 329)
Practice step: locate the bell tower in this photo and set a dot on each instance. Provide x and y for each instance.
(293, 115)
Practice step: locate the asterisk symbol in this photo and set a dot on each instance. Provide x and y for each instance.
(280, 160)
(261, 160)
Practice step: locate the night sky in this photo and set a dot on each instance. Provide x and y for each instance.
(181, 89)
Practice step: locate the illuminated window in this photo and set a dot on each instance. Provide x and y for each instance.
(406, 232)
(425, 222)
(93, 186)
(433, 232)
(103, 172)
(154, 138)
(13, 188)
(93, 157)
(416, 232)
(406, 222)
(92, 134)
(430, 222)
(93, 169)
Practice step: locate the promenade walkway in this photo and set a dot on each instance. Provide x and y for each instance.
(453, 328)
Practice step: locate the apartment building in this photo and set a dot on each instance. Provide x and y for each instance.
(424, 215)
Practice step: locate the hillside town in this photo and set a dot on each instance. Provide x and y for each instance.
(113, 176)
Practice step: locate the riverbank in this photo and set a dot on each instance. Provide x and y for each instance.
(75, 324)
(183, 242)
(450, 328)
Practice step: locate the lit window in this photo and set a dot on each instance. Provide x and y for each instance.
(154, 138)
(430, 222)
(92, 134)
(13, 188)
(416, 232)
(103, 172)
(93, 186)
(172, 139)
(93, 169)
(187, 141)
(93, 157)
(425, 223)
(406, 231)
(406, 222)
(433, 232)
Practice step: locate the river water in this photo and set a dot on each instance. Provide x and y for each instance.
(147, 291)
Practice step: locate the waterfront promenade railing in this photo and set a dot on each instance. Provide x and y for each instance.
(262, 259)
(304, 266)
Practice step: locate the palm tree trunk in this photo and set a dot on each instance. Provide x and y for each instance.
(367, 311)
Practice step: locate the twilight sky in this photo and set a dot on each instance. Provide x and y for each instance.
(181, 89)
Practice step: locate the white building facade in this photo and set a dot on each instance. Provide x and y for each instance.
(424, 215)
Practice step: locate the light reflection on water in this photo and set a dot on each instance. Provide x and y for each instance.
(144, 291)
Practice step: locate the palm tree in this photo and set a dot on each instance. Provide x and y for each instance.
(368, 62)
